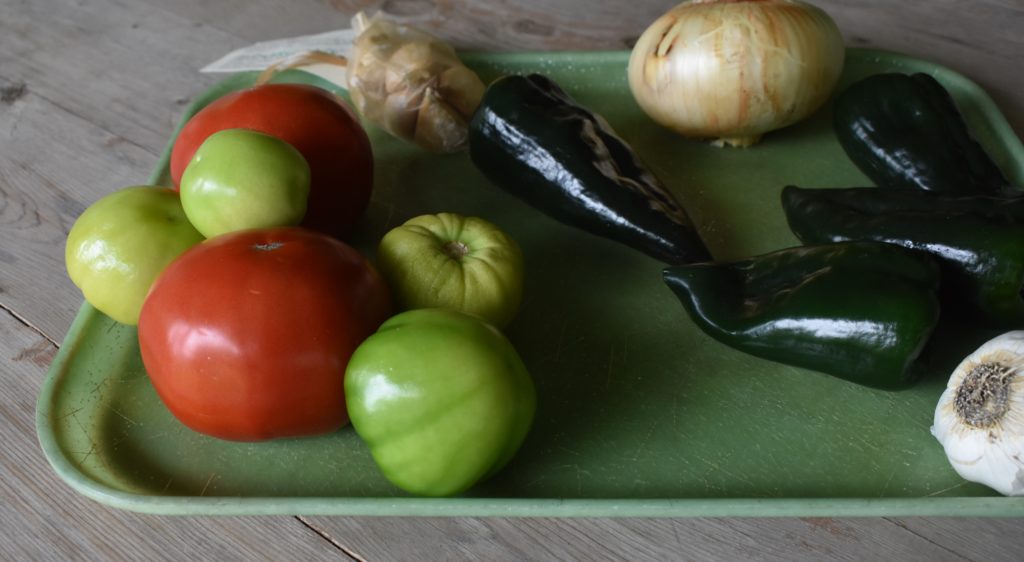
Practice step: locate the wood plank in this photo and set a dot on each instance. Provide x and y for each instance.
(792, 539)
(44, 519)
(40, 200)
(127, 66)
(478, 25)
(989, 539)
(258, 20)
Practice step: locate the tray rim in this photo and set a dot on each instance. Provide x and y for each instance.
(981, 506)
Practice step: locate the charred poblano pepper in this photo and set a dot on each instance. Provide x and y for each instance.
(904, 131)
(859, 311)
(978, 241)
(533, 140)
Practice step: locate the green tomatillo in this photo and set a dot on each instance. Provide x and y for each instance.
(441, 398)
(121, 243)
(450, 261)
(241, 179)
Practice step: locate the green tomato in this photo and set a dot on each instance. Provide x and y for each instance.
(240, 179)
(441, 398)
(450, 261)
(122, 242)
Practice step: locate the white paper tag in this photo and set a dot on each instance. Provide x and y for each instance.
(259, 56)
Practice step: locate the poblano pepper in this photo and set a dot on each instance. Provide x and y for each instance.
(533, 140)
(905, 131)
(978, 241)
(862, 311)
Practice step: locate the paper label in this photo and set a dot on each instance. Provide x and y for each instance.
(259, 56)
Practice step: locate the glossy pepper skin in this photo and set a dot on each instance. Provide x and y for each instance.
(862, 311)
(977, 241)
(534, 141)
(904, 131)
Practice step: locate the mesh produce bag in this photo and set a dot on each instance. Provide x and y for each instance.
(411, 84)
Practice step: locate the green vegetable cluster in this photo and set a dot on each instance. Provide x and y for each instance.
(861, 299)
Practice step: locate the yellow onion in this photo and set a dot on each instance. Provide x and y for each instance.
(733, 70)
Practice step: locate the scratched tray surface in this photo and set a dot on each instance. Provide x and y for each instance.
(638, 412)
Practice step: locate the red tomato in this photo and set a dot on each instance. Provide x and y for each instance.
(246, 336)
(317, 123)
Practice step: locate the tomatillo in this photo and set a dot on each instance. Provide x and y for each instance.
(451, 261)
(121, 243)
(241, 180)
(441, 398)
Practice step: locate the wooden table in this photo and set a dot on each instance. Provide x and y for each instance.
(91, 91)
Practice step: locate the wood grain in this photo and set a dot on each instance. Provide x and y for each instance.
(90, 93)
(657, 539)
(40, 201)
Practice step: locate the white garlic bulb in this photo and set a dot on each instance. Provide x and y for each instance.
(980, 416)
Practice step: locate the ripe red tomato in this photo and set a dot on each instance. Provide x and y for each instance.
(317, 123)
(246, 336)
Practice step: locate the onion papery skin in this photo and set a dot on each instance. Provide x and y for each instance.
(733, 70)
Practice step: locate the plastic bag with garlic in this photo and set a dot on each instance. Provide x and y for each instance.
(411, 84)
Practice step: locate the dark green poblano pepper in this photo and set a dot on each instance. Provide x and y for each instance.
(978, 241)
(859, 311)
(904, 131)
(533, 140)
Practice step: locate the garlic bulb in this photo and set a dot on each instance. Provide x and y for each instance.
(980, 416)
(412, 84)
(736, 69)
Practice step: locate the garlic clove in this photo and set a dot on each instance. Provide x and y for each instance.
(367, 74)
(420, 57)
(971, 447)
(422, 54)
(979, 419)
(401, 110)
(462, 89)
(438, 126)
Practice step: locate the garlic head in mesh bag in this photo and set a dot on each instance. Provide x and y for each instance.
(411, 84)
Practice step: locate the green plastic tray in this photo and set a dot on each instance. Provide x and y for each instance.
(639, 413)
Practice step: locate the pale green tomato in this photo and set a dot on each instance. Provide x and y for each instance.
(450, 261)
(122, 242)
(441, 398)
(240, 179)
